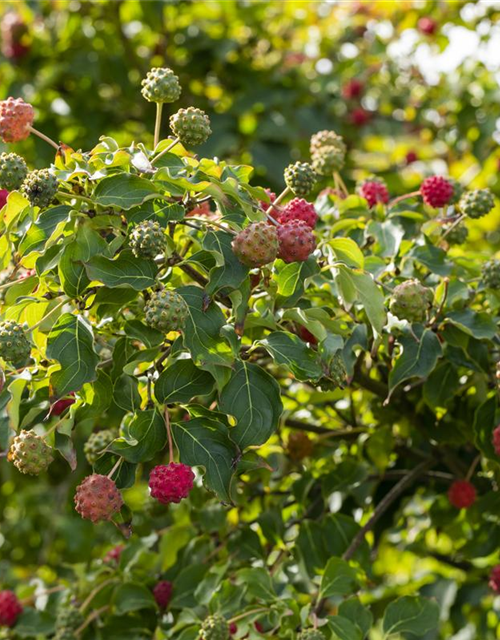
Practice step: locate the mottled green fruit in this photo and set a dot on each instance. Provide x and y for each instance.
(458, 190)
(13, 171)
(191, 125)
(69, 618)
(214, 628)
(490, 274)
(477, 203)
(411, 301)
(338, 373)
(457, 235)
(256, 245)
(96, 444)
(327, 160)
(161, 85)
(311, 634)
(300, 178)
(14, 346)
(147, 239)
(166, 311)
(40, 187)
(327, 139)
(30, 453)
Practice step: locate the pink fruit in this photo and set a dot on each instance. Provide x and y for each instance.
(427, 26)
(16, 117)
(299, 209)
(374, 191)
(162, 593)
(171, 482)
(495, 579)
(352, 89)
(496, 440)
(360, 116)
(462, 494)
(113, 555)
(296, 241)
(3, 197)
(97, 498)
(436, 191)
(10, 608)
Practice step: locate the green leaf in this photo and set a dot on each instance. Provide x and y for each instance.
(229, 272)
(181, 382)
(71, 343)
(289, 350)
(479, 325)
(347, 251)
(360, 615)
(420, 351)
(441, 385)
(74, 279)
(410, 614)
(252, 396)
(357, 285)
(344, 629)
(32, 623)
(485, 422)
(288, 278)
(142, 437)
(258, 583)
(124, 191)
(339, 579)
(206, 443)
(132, 596)
(147, 335)
(39, 233)
(126, 393)
(124, 271)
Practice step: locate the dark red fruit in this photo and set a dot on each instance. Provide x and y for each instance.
(113, 555)
(299, 209)
(10, 608)
(462, 494)
(352, 89)
(360, 116)
(495, 579)
(306, 335)
(496, 440)
(272, 197)
(374, 191)
(171, 482)
(233, 628)
(97, 498)
(296, 241)
(427, 26)
(61, 405)
(258, 627)
(411, 157)
(162, 593)
(436, 191)
(3, 197)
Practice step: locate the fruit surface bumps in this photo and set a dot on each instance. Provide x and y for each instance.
(299, 209)
(462, 494)
(97, 498)
(171, 482)
(490, 274)
(458, 190)
(327, 139)
(16, 118)
(40, 187)
(457, 235)
(411, 301)
(256, 245)
(13, 171)
(96, 444)
(311, 634)
(300, 178)
(327, 160)
(166, 311)
(191, 126)
(338, 373)
(30, 453)
(436, 191)
(161, 85)
(14, 346)
(214, 627)
(374, 191)
(147, 239)
(10, 608)
(296, 241)
(477, 203)
(69, 617)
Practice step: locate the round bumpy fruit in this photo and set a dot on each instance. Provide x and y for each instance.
(327, 160)
(161, 85)
(16, 118)
(311, 634)
(490, 274)
(296, 241)
(256, 245)
(436, 191)
(97, 498)
(30, 453)
(10, 608)
(171, 482)
(299, 446)
(214, 628)
(191, 125)
(300, 178)
(462, 494)
(494, 581)
(166, 311)
(457, 235)
(458, 190)
(338, 373)
(113, 555)
(327, 139)
(147, 239)
(411, 301)
(477, 203)
(40, 187)
(13, 171)
(496, 440)
(96, 444)
(373, 191)
(69, 617)
(14, 346)
(4, 194)
(162, 593)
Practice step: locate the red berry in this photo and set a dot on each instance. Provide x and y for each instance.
(162, 593)
(258, 627)
(61, 405)
(10, 608)
(427, 26)
(97, 498)
(299, 209)
(296, 241)
(113, 554)
(411, 157)
(374, 191)
(360, 116)
(496, 440)
(171, 482)
(436, 191)
(233, 628)
(462, 494)
(3, 197)
(352, 89)
(202, 209)
(495, 579)
(307, 336)
(16, 116)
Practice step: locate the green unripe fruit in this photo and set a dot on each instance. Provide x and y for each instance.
(338, 373)
(311, 634)
(14, 346)
(490, 274)
(214, 628)
(147, 239)
(166, 311)
(13, 171)
(457, 235)
(191, 126)
(30, 453)
(327, 160)
(300, 178)
(95, 445)
(161, 85)
(327, 139)
(69, 618)
(477, 203)
(458, 190)
(256, 245)
(40, 187)
(411, 301)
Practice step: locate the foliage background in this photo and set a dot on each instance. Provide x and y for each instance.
(270, 74)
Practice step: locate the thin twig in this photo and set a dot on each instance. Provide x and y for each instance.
(91, 618)
(44, 137)
(473, 466)
(162, 153)
(115, 467)
(94, 592)
(248, 613)
(413, 194)
(58, 306)
(159, 109)
(169, 436)
(74, 196)
(274, 204)
(452, 226)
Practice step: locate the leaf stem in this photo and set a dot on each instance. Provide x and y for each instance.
(162, 153)
(44, 137)
(74, 196)
(412, 194)
(472, 468)
(58, 306)
(453, 225)
(91, 618)
(341, 183)
(282, 195)
(95, 591)
(446, 284)
(215, 224)
(159, 109)
(169, 436)
(115, 467)
(248, 613)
